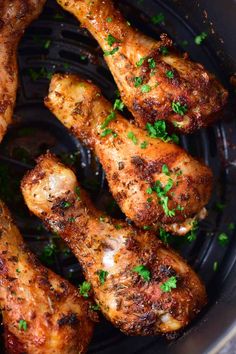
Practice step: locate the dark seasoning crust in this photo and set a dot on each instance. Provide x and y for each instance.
(138, 304)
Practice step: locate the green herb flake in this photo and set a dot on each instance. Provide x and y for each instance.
(165, 170)
(65, 204)
(146, 227)
(145, 88)
(200, 38)
(220, 206)
(118, 104)
(192, 234)
(77, 191)
(138, 81)
(158, 18)
(215, 266)
(171, 283)
(109, 19)
(231, 226)
(118, 227)
(102, 274)
(144, 145)
(22, 325)
(102, 218)
(149, 200)
(106, 132)
(178, 108)
(110, 52)
(143, 271)
(158, 130)
(169, 74)
(164, 235)
(149, 190)
(17, 270)
(162, 195)
(47, 44)
(108, 119)
(164, 50)
(132, 137)
(84, 289)
(111, 40)
(223, 239)
(152, 63)
(95, 307)
(71, 219)
(140, 62)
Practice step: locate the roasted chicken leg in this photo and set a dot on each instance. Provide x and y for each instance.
(142, 286)
(42, 313)
(155, 183)
(154, 80)
(15, 16)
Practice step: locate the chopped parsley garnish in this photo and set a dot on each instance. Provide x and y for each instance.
(65, 204)
(146, 88)
(84, 289)
(164, 50)
(132, 137)
(149, 200)
(118, 104)
(159, 18)
(17, 270)
(215, 266)
(106, 132)
(140, 62)
(179, 108)
(169, 74)
(48, 253)
(108, 119)
(200, 38)
(231, 226)
(158, 130)
(165, 170)
(77, 191)
(143, 271)
(118, 227)
(95, 307)
(149, 190)
(102, 274)
(192, 234)
(164, 235)
(109, 19)
(47, 43)
(102, 218)
(220, 206)
(110, 52)
(111, 40)
(138, 81)
(162, 195)
(71, 219)
(146, 227)
(152, 63)
(171, 283)
(22, 325)
(223, 239)
(144, 144)
(40, 74)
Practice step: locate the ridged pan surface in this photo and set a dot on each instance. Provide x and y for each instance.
(56, 43)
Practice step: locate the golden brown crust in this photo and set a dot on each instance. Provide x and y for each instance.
(130, 169)
(135, 306)
(56, 316)
(15, 16)
(191, 84)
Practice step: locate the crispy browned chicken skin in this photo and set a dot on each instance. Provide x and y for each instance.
(109, 250)
(42, 313)
(133, 172)
(15, 16)
(154, 80)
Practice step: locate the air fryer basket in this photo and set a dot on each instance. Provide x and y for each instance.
(55, 43)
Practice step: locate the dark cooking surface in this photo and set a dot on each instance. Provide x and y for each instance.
(56, 43)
